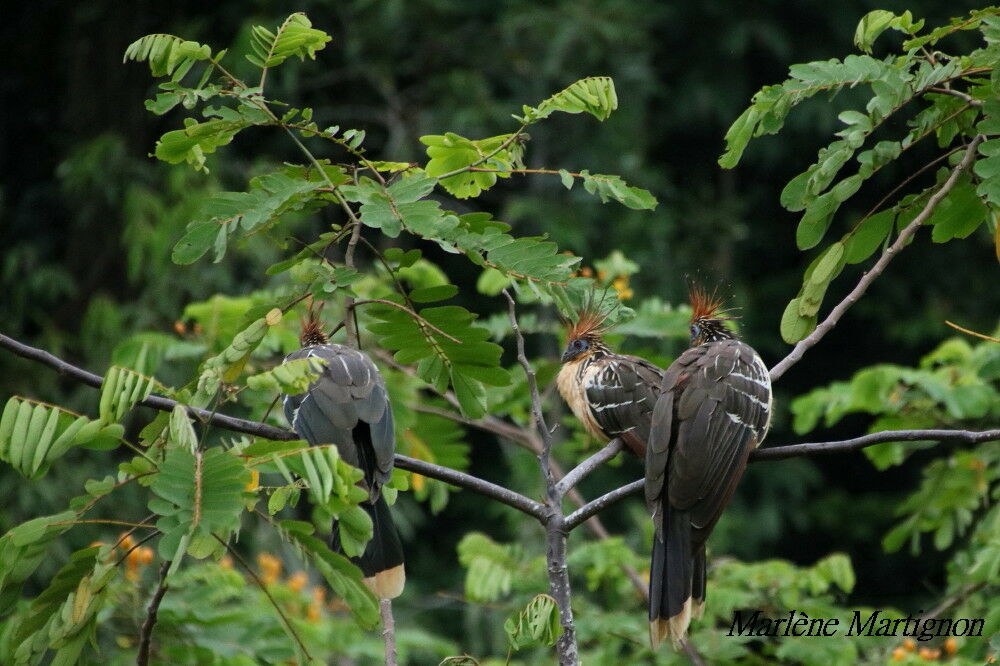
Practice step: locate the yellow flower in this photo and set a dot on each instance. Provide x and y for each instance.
(254, 482)
(621, 286)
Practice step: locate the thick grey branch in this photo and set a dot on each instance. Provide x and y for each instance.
(792, 450)
(904, 237)
(575, 475)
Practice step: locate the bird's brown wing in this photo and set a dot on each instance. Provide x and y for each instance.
(715, 410)
(621, 393)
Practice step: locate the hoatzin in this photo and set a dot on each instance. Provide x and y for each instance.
(693, 424)
(348, 406)
(714, 409)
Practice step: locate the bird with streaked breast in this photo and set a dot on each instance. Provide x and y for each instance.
(347, 405)
(611, 394)
(714, 408)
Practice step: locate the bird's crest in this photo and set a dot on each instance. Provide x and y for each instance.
(706, 305)
(591, 320)
(312, 328)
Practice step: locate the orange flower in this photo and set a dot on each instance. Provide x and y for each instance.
(909, 645)
(899, 654)
(126, 541)
(316, 607)
(928, 654)
(226, 562)
(621, 286)
(950, 646)
(297, 581)
(270, 568)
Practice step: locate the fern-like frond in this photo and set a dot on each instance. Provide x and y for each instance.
(167, 55)
(295, 37)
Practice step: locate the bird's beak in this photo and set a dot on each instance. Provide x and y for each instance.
(567, 356)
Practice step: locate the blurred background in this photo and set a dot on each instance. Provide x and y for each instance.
(87, 220)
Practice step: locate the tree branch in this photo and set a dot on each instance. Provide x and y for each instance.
(812, 448)
(164, 404)
(475, 484)
(503, 495)
(904, 236)
(575, 475)
(146, 634)
(593, 507)
(555, 524)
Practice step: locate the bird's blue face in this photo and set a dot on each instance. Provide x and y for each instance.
(574, 349)
(695, 333)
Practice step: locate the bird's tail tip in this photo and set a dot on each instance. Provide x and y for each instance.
(675, 627)
(387, 584)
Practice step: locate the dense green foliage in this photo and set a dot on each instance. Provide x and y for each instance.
(279, 225)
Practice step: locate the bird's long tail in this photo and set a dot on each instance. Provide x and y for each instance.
(382, 561)
(676, 580)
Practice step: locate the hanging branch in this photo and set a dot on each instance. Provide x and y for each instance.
(859, 290)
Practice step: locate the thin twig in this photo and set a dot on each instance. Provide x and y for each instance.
(349, 303)
(812, 448)
(146, 634)
(410, 312)
(388, 631)
(972, 333)
(485, 158)
(968, 99)
(904, 236)
(253, 574)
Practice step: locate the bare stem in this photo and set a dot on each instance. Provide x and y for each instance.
(904, 236)
(146, 634)
(388, 631)
(555, 524)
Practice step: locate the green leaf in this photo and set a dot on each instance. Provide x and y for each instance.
(465, 364)
(291, 377)
(868, 236)
(196, 140)
(595, 95)
(166, 53)
(343, 577)
(451, 152)
(614, 187)
(122, 390)
(270, 197)
(432, 294)
(794, 326)
(33, 434)
(872, 24)
(491, 566)
(197, 494)
(24, 547)
(958, 214)
(538, 622)
(295, 37)
(816, 220)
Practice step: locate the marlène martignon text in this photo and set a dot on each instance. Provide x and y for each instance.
(797, 623)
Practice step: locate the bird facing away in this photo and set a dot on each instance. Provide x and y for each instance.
(611, 394)
(348, 406)
(714, 408)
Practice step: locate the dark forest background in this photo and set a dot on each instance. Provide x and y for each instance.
(87, 218)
